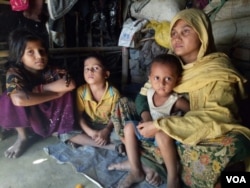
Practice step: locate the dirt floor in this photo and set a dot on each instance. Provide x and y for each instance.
(35, 169)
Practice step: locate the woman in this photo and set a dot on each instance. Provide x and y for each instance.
(213, 88)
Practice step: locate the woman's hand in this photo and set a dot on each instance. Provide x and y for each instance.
(147, 129)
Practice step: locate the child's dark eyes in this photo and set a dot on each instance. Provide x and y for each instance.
(87, 69)
(167, 79)
(42, 52)
(94, 69)
(156, 78)
(30, 52)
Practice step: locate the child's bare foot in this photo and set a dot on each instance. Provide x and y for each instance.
(152, 177)
(123, 166)
(16, 149)
(131, 179)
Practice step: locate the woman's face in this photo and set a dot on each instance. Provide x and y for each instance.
(185, 41)
(34, 57)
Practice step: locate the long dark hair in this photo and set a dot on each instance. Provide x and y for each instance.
(17, 42)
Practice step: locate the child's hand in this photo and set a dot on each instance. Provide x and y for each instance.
(92, 134)
(38, 89)
(102, 137)
(64, 74)
(61, 72)
(98, 137)
(68, 82)
(67, 79)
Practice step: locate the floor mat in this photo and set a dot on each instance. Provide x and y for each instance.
(92, 162)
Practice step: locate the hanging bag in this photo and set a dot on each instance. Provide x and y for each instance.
(130, 34)
(159, 10)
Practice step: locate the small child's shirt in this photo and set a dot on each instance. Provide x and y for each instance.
(163, 110)
(98, 112)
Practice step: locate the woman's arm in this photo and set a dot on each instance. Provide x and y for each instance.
(214, 112)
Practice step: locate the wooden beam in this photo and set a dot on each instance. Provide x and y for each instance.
(4, 53)
(62, 51)
(83, 49)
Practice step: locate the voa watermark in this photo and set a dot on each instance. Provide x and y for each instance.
(235, 179)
